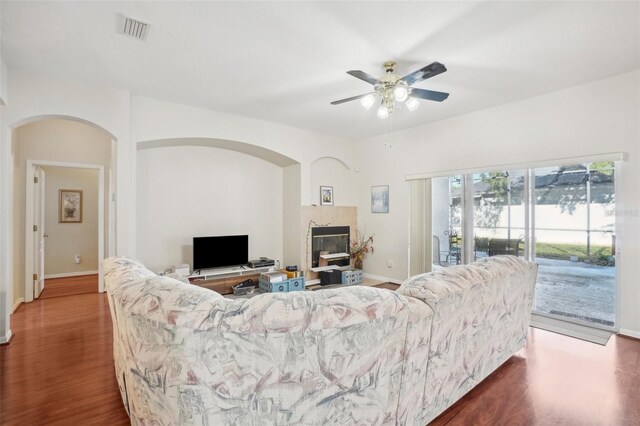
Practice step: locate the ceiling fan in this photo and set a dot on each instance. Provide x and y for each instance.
(391, 89)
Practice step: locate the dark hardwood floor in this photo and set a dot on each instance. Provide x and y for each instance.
(69, 286)
(557, 380)
(59, 370)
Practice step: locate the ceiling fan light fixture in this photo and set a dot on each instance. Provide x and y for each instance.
(412, 104)
(391, 90)
(368, 101)
(383, 112)
(400, 93)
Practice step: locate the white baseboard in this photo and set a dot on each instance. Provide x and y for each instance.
(6, 338)
(630, 333)
(19, 302)
(381, 278)
(70, 274)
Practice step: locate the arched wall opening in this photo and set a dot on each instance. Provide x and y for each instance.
(190, 187)
(28, 120)
(70, 142)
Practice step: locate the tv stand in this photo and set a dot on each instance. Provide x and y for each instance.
(222, 280)
(216, 272)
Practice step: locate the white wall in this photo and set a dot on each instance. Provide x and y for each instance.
(49, 140)
(192, 191)
(291, 213)
(37, 96)
(595, 118)
(6, 258)
(132, 118)
(66, 240)
(153, 120)
(3, 82)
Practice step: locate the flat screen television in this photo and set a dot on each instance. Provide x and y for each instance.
(220, 251)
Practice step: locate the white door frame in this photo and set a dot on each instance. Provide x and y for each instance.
(29, 243)
(39, 235)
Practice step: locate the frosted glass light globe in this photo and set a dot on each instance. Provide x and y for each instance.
(367, 101)
(400, 93)
(412, 104)
(383, 112)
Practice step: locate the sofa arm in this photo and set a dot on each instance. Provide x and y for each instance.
(119, 272)
(416, 350)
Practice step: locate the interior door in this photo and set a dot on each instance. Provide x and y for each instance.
(39, 234)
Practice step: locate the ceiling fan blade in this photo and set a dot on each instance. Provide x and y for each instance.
(353, 98)
(424, 73)
(364, 76)
(429, 95)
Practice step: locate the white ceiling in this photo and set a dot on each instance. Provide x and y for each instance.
(285, 61)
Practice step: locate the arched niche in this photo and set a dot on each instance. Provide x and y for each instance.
(205, 186)
(332, 171)
(245, 148)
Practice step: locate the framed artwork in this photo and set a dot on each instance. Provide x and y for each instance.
(380, 199)
(70, 206)
(326, 195)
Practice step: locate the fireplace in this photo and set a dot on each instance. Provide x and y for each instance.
(330, 246)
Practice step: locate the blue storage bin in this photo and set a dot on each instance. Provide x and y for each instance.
(279, 287)
(352, 276)
(296, 284)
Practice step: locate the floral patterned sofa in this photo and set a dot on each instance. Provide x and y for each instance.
(481, 318)
(357, 355)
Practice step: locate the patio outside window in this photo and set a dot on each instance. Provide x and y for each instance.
(562, 218)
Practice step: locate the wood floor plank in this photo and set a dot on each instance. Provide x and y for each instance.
(58, 370)
(557, 380)
(59, 367)
(69, 286)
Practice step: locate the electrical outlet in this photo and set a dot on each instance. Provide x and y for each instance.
(389, 263)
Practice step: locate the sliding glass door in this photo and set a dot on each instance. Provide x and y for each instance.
(498, 213)
(562, 218)
(575, 242)
(446, 217)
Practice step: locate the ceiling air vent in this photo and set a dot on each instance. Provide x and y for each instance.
(134, 28)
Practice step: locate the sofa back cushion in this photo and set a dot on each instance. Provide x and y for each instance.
(194, 357)
(481, 317)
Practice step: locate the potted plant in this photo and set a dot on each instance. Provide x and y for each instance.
(360, 246)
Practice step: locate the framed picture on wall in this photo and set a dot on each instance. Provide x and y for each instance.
(380, 199)
(326, 195)
(70, 206)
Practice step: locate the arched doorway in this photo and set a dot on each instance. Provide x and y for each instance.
(66, 143)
